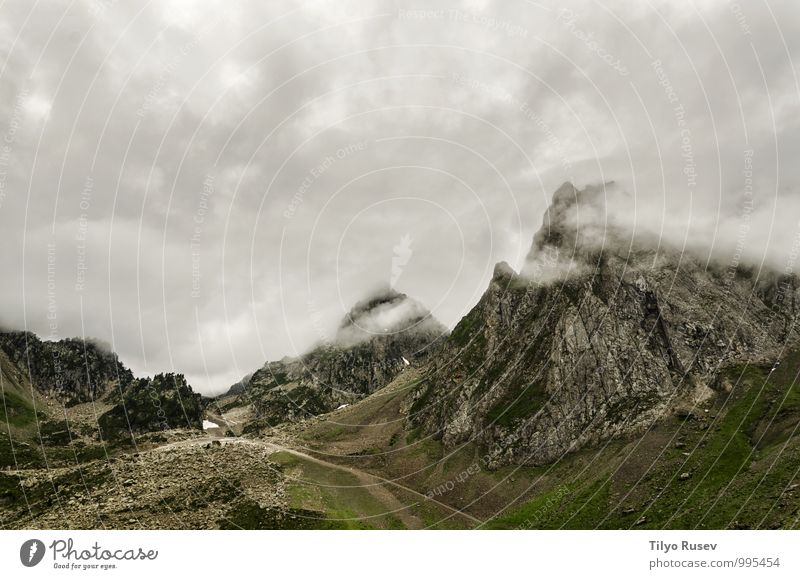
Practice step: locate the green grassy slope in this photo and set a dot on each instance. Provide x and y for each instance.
(730, 462)
(733, 463)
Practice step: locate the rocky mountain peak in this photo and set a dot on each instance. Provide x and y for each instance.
(503, 270)
(603, 338)
(383, 299)
(385, 312)
(575, 227)
(381, 336)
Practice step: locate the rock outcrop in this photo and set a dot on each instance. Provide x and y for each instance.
(163, 402)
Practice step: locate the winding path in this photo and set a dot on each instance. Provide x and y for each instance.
(364, 476)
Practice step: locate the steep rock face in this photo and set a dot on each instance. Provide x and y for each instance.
(72, 370)
(378, 338)
(163, 402)
(594, 339)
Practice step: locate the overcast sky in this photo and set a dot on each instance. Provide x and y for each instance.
(209, 185)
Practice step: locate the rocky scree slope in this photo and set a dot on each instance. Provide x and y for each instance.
(598, 337)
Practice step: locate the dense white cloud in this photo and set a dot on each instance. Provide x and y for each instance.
(223, 180)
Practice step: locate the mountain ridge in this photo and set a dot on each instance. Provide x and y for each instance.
(43, 380)
(611, 383)
(521, 373)
(380, 336)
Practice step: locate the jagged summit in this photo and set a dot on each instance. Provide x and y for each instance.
(573, 215)
(576, 230)
(605, 341)
(502, 269)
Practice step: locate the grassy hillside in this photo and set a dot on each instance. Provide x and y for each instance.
(732, 461)
(18, 418)
(732, 464)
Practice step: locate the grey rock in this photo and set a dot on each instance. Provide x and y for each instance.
(364, 356)
(594, 341)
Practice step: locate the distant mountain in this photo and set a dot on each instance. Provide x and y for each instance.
(375, 341)
(600, 335)
(76, 372)
(675, 379)
(240, 386)
(71, 370)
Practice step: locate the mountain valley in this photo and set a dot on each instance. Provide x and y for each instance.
(611, 383)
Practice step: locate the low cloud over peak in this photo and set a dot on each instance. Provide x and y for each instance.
(207, 189)
(386, 313)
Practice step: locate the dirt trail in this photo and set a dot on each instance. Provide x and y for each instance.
(385, 497)
(374, 484)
